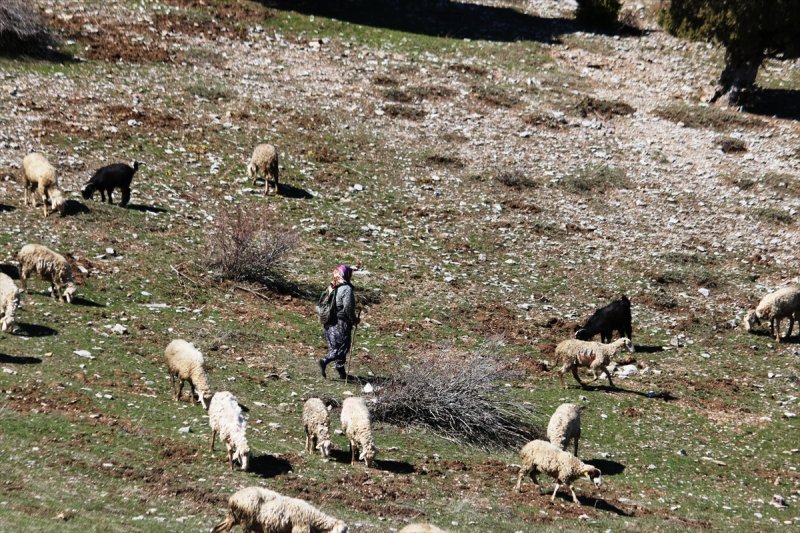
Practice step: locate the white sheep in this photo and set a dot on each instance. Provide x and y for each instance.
(186, 363)
(264, 164)
(225, 417)
(356, 425)
(565, 426)
(783, 303)
(573, 353)
(9, 301)
(539, 456)
(293, 515)
(421, 528)
(50, 266)
(243, 508)
(316, 423)
(39, 175)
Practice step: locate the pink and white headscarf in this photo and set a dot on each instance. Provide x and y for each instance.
(341, 274)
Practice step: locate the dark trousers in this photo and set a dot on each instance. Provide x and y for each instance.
(339, 336)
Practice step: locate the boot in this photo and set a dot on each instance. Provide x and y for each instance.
(322, 365)
(341, 371)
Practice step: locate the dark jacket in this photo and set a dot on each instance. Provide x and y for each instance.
(346, 303)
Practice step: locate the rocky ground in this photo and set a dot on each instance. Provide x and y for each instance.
(499, 183)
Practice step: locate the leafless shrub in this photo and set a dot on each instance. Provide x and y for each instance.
(247, 247)
(459, 396)
(22, 28)
(730, 145)
(516, 179)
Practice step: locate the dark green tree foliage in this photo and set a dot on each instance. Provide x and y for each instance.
(750, 30)
(603, 13)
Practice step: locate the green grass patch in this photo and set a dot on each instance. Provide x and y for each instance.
(595, 178)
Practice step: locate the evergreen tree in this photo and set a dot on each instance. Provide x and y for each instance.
(750, 31)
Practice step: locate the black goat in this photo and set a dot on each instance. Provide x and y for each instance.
(614, 316)
(108, 178)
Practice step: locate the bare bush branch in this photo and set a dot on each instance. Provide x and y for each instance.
(247, 247)
(459, 396)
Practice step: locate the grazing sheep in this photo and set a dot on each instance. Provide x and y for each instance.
(293, 515)
(225, 417)
(356, 425)
(421, 528)
(540, 456)
(185, 363)
(264, 164)
(573, 353)
(50, 266)
(616, 316)
(9, 301)
(317, 425)
(565, 426)
(110, 177)
(783, 303)
(40, 176)
(244, 506)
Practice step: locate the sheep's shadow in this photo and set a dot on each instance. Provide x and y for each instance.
(395, 467)
(596, 503)
(7, 208)
(85, 302)
(664, 395)
(290, 191)
(12, 271)
(340, 456)
(608, 468)
(146, 208)
(74, 207)
(648, 349)
(35, 330)
(268, 466)
(19, 359)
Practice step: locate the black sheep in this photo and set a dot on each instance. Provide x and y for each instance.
(108, 178)
(616, 316)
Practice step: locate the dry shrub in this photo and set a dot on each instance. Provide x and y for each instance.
(516, 179)
(404, 111)
(459, 396)
(707, 117)
(730, 145)
(247, 247)
(22, 28)
(603, 108)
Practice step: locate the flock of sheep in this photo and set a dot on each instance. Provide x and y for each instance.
(259, 509)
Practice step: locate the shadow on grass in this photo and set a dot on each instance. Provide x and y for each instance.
(268, 466)
(12, 271)
(340, 456)
(19, 359)
(85, 302)
(780, 103)
(599, 504)
(664, 395)
(290, 191)
(608, 468)
(395, 467)
(35, 330)
(648, 349)
(444, 18)
(146, 208)
(74, 207)
(7, 208)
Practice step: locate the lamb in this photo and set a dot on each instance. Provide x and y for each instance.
(540, 456)
(421, 528)
(39, 175)
(317, 426)
(110, 177)
(225, 417)
(356, 425)
(573, 353)
(276, 514)
(50, 266)
(264, 164)
(244, 506)
(9, 301)
(186, 363)
(565, 426)
(783, 303)
(616, 316)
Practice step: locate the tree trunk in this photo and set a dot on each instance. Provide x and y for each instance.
(737, 78)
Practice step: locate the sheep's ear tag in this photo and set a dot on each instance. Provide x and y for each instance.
(586, 473)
